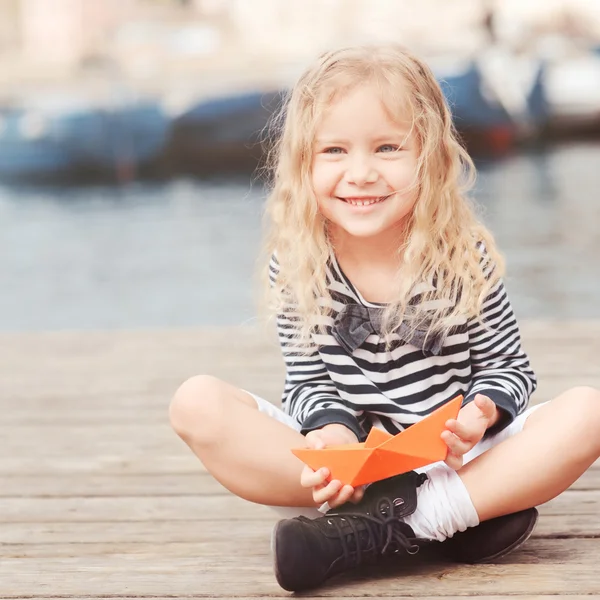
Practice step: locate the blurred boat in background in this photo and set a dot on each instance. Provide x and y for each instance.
(572, 91)
(499, 101)
(65, 137)
(122, 140)
(32, 146)
(522, 73)
(496, 102)
(222, 133)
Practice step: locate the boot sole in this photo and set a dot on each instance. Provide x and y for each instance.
(526, 535)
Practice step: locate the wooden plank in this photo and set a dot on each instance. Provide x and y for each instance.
(561, 329)
(106, 383)
(92, 440)
(287, 596)
(89, 484)
(127, 440)
(585, 502)
(249, 548)
(118, 533)
(197, 483)
(546, 567)
(256, 526)
(80, 410)
(191, 347)
(185, 340)
(122, 397)
(75, 417)
(139, 379)
(26, 510)
(157, 354)
(129, 463)
(227, 506)
(165, 341)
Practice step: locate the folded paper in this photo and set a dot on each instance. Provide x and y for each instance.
(384, 455)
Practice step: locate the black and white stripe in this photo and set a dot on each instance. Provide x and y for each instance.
(395, 387)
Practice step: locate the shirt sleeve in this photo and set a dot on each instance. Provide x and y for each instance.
(309, 395)
(500, 367)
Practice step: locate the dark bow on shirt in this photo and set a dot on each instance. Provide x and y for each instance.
(355, 323)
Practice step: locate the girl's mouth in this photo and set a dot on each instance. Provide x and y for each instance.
(363, 201)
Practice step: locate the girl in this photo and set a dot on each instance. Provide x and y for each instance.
(390, 302)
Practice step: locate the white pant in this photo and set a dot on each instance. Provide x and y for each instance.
(287, 512)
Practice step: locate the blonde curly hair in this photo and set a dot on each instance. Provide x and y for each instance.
(445, 243)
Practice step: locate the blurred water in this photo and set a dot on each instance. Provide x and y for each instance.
(183, 253)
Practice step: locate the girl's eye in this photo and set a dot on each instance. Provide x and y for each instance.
(333, 150)
(388, 148)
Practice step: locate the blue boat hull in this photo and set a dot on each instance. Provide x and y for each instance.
(134, 135)
(24, 154)
(222, 134)
(80, 143)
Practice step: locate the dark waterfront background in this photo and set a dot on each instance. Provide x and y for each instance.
(183, 253)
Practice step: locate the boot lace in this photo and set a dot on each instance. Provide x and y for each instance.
(383, 532)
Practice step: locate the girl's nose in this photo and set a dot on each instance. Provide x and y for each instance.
(360, 171)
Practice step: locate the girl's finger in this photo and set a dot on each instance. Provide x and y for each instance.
(311, 479)
(453, 461)
(342, 497)
(455, 444)
(328, 492)
(485, 405)
(314, 441)
(462, 431)
(358, 495)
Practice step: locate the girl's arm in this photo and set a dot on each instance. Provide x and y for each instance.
(501, 369)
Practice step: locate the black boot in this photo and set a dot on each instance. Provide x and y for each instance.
(491, 539)
(486, 542)
(307, 552)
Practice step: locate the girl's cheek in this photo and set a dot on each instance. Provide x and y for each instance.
(322, 180)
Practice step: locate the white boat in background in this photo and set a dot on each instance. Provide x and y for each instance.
(496, 99)
(572, 91)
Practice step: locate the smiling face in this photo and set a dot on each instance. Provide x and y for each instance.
(364, 168)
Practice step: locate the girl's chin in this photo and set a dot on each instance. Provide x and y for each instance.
(365, 232)
(363, 229)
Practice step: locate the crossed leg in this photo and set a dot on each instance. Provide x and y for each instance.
(246, 450)
(559, 442)
(249, 452)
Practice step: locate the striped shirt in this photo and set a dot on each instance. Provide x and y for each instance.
(395, 386)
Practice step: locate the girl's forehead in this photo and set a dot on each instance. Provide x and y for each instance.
(366, 102)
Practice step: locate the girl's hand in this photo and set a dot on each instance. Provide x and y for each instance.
(333, 492)
(468, 429)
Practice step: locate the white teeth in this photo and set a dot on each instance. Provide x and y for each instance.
(363, 202)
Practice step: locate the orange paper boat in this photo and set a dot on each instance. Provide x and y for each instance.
(383, 455)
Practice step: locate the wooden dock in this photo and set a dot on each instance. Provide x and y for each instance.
(100, 499)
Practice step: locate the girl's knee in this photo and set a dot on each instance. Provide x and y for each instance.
(584, 404)
(195, 408)
(586, 400)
